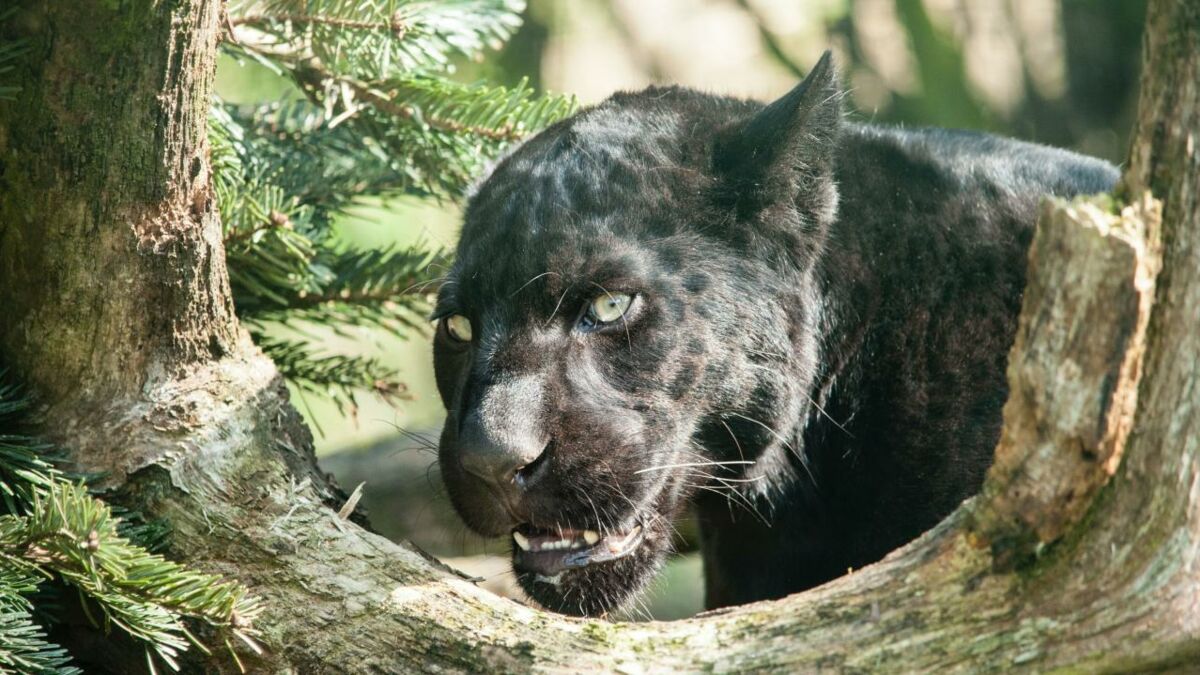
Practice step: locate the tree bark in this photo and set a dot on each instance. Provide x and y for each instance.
(1080, 553)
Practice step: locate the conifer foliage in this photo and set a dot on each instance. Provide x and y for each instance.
(56, 539)
(376, 113)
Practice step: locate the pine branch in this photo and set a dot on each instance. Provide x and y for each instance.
(271, 265)
(25, 462)
(55, 530)
(284, 265)
(24, 647)
(374, 39)
(325, 165)
(377, 120)
(282, 255)
(389, 281)
(70, 536)
(267, 21)
(392, 103)
(279, 275)
(412, 115)
(74, 535)
(445, 130)
(335, 376)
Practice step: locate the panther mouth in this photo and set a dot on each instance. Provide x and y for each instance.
(589, 572)
(547, 553)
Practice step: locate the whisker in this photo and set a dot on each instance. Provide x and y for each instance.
(800, 456)
(543, 274)
(729, 495)
(560, 302)
(684, 465)
(422, 285)
(730, 480)
(829, 417)
(732, 491)
(811, 400)
(736, 443)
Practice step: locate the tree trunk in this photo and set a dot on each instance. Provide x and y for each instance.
(1079, 553)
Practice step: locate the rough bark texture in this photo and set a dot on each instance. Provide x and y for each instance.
(1074, 371)
(110, 248)
(118, 311)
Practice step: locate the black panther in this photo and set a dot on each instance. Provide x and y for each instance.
(794, 324)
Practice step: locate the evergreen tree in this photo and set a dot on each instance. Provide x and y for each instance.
(377, 115)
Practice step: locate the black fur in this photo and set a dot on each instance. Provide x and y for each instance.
(833, 302)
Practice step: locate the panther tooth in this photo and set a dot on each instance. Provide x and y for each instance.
(521, 541)
(591, 537)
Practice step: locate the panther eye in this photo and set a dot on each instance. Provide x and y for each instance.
(459, 327)
(609, 307)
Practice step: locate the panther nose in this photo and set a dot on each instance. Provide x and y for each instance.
(497, 458)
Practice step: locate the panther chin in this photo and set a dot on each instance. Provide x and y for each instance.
(586, 572)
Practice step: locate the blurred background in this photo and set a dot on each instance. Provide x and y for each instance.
(1061, 72)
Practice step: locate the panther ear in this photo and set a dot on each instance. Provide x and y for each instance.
(785, 151)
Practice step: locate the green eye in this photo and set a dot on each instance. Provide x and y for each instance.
(609, 307)
(459, 327)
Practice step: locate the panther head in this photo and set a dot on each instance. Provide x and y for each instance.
(631, 317)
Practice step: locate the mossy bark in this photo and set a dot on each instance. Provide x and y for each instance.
(110, 247)
(116, 309)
